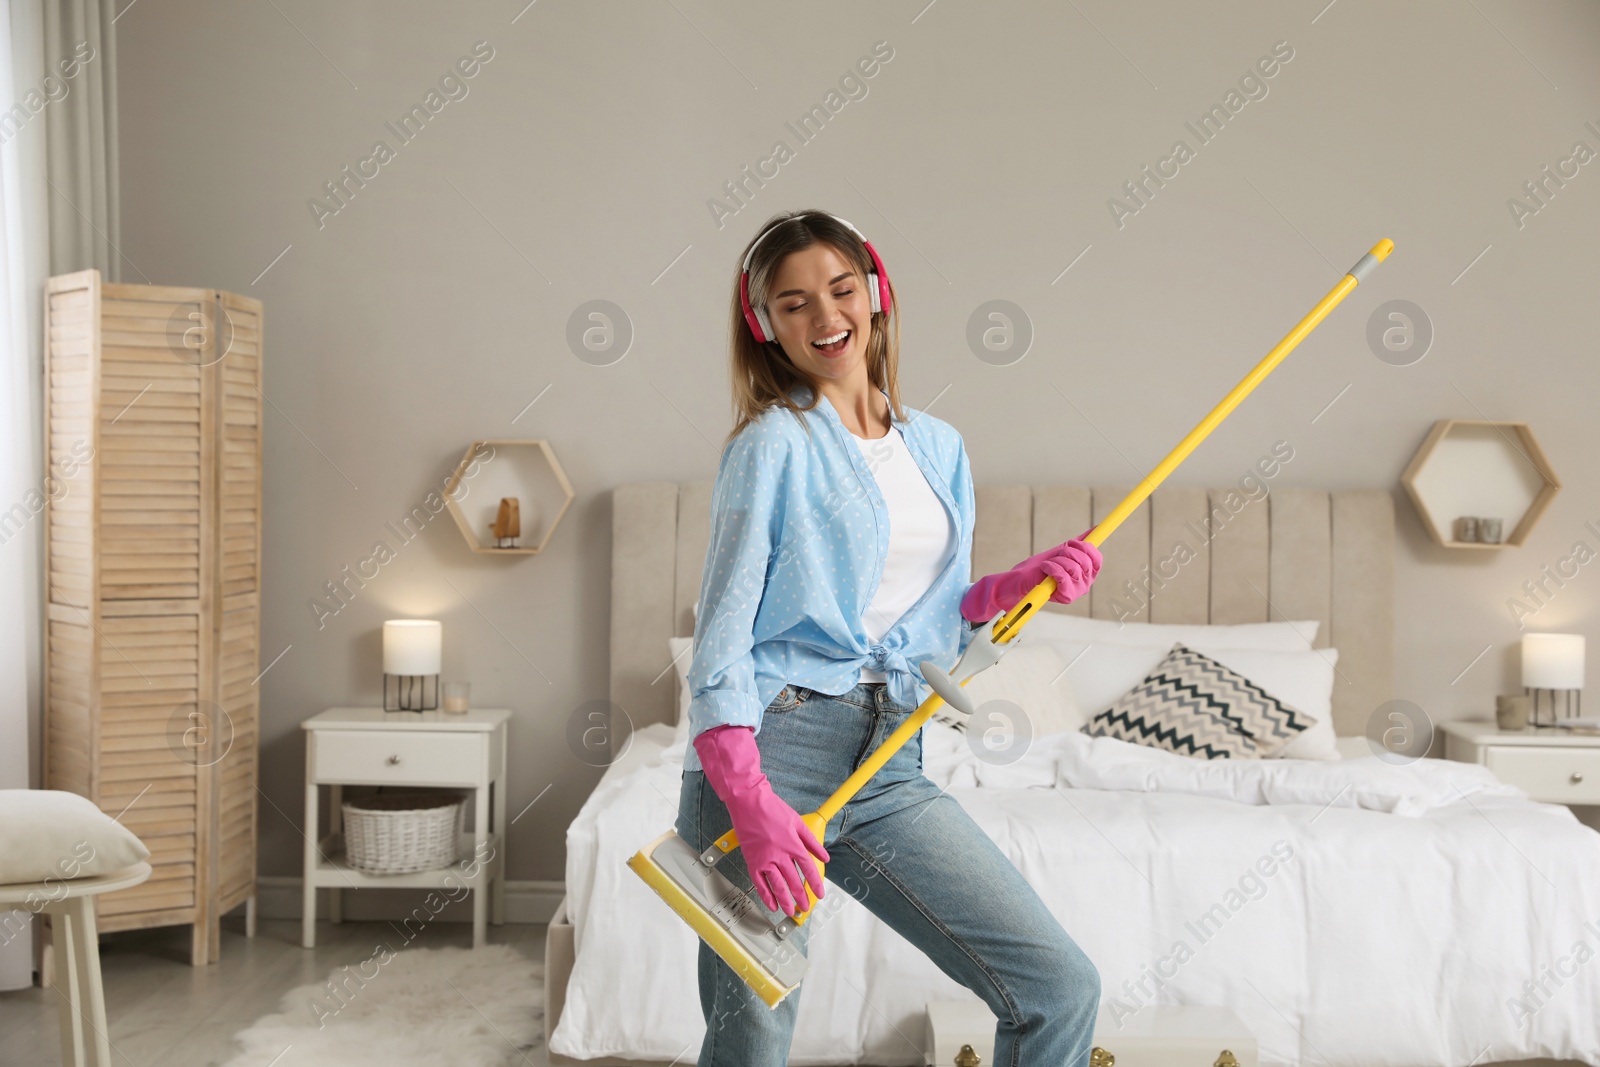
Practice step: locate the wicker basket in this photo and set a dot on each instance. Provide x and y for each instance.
(398, 833)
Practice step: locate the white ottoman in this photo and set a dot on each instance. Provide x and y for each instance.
(82, 1002)
(961, 1034)
(58, 851)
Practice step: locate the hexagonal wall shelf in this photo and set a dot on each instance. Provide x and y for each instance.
(490, 470)
(1483, 469)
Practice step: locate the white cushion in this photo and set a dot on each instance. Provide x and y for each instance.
(1030, 676)
(681, 651)
(1295, 636)
(1099, 674)
(989, 753)
(50, 834)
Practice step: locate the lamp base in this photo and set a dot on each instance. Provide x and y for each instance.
(410, 692)
(1571, 704)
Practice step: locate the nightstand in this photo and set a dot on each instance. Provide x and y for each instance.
(370, 746)
(1552, 765)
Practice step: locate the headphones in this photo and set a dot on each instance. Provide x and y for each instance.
(761, 327)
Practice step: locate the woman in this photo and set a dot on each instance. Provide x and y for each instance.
(838, 561)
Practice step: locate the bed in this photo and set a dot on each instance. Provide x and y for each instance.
(1415, 914)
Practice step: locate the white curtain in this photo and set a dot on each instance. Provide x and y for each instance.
(81, 136)
(34, 93)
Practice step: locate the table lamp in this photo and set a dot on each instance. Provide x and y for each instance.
(1553, 664)
(412, 649)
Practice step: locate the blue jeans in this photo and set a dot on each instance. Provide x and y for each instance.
(916, 860)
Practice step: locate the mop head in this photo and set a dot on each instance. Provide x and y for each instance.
(724, 917)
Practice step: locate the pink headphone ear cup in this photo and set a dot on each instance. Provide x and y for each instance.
(879, 280)
(757, 322)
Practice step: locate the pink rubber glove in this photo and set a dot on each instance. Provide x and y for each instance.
(1073, 564)
(771, 833)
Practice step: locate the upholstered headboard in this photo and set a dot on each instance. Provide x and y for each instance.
(1204, 555)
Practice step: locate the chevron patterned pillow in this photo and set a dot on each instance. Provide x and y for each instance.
(1193, 705)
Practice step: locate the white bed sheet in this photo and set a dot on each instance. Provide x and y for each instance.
(1384, 939)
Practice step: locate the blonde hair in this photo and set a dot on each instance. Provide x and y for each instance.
(761, 373)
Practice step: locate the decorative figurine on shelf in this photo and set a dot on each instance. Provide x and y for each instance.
(507, 524)
(1467, 528)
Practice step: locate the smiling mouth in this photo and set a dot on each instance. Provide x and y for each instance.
(835, 348)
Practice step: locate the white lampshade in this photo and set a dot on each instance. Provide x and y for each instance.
(412, 646)
(1552, 661)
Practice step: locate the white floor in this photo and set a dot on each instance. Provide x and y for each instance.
(164, 1012)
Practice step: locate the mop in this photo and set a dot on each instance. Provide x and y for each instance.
(733, 923)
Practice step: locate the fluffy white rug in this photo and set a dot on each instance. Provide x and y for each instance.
(438, 1007)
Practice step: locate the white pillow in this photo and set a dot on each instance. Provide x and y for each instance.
(1282, 636)
(1101, 673)
(54, 835)
(1030, 676)
(681, 651)
(989, 754)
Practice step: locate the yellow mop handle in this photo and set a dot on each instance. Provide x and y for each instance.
(1009, 626)
(1040, 594)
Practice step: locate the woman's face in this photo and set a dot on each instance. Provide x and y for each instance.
(819, 296)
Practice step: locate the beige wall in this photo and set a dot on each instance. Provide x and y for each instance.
(433, 306)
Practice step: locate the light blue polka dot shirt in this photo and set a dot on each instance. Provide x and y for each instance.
(799, 536)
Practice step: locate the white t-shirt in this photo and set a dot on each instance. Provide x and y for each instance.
(921, 536)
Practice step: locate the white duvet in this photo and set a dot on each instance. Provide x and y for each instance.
(1350, 911)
